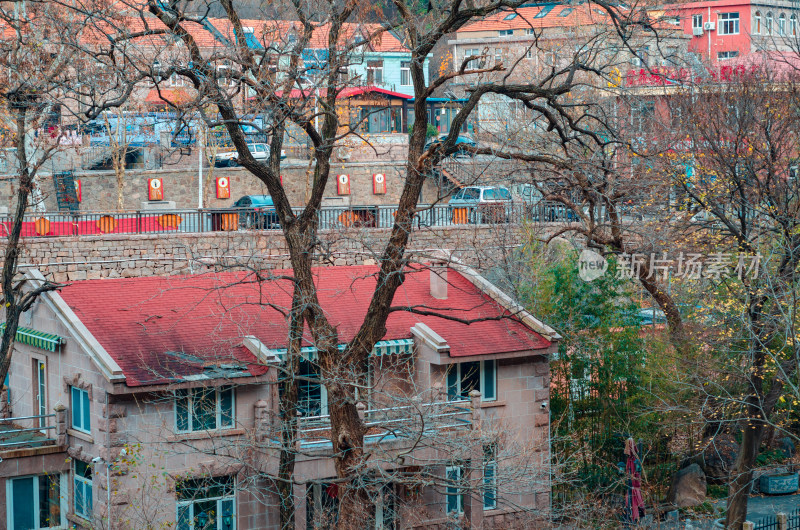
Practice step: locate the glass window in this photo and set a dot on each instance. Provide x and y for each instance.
(405, 73)
(374, 72)
(36, 502)
(462, 378)
(81, 419)
(83, 489)
(566, 11)
(767, 25)
(202, 409)
(206, 504)
(506, 32)
(782, 25)
(729, 23)
(455, 491)
(757, 23)
(697, 21)
(793, 26)
(722, 56)
(510, 16)
(490, 477)
(310, 391)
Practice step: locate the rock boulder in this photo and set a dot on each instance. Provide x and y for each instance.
(688, 487)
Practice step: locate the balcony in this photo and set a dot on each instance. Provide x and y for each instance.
(28, 432)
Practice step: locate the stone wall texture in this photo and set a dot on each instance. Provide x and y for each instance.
(115, 256)
(99, 188)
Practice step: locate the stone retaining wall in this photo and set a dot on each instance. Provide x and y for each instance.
(92, 257)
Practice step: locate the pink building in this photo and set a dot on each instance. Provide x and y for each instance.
(149, 401)
(727, 29)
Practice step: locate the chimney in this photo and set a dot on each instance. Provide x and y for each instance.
(438, 272)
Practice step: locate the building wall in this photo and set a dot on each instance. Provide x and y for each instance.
(99, 188)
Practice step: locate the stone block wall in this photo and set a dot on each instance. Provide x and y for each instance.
(99, 188)
(115, 256)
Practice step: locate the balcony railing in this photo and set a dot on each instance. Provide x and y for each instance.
(395, 422)
(68, 224)
(14, 432)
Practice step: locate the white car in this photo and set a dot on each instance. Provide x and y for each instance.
(231, 158)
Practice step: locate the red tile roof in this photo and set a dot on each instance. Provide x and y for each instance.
(138, 320)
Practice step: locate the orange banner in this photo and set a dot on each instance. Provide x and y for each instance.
(223, 188)
(379, 184)
(343, 184)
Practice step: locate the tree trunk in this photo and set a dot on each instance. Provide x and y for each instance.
(739, 487)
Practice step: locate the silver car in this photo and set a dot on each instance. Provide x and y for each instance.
(481, 204)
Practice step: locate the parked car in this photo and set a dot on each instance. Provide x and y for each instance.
(257, 211)
(461, 142)
(231, 158)
(483, 204)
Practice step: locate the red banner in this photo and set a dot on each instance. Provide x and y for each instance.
(343, 184)
(155, 190)
(223, 188)
(379, 184)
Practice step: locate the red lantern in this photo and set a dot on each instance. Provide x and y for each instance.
(78, 189)
(223, 188)
(379, 184)
(343, 184)
(155, 190)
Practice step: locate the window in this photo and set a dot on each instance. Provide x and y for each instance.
(544, 11)
(201, 409)
(498, 56)
(35, 502)
(641, 58)
(697, 22)
(322, 505)
(477, 375)
(757, 23)
(729, 23)
(506, 32)
(455, 491)
(529, 53)
(767, 24)
(793, 25)
(40, 395)
(81, 419)
(782, 25)
(405, 73)
(206, 503)
(312, 398)
(510, 16)
(176, 80)
(722, 56)
(490, 477)
(83, 489)
(530, 31)
(566, 11)
(374, 72)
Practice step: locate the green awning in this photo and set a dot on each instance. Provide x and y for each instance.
(37, 339)
(383, 347)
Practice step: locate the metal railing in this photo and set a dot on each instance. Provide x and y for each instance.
(66, 224)
(398, 420)
(13, 435)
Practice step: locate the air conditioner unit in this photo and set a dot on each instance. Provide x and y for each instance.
(697, 32)
(708, 26)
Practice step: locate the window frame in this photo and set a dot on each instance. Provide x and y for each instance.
(727, 55)
(697, 21)
(768, 24)
(80, 481)
(457, 492)
(218, 500)
(490, 484)
(85, 409)
(375, 72)
(728, 23)
(63, 504)
(793, 25)
(505, 33)
(176, 80)
(459, 378)
(757, 23)
(405, 73)
(782, 25)
(218, 412)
